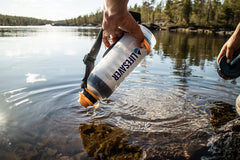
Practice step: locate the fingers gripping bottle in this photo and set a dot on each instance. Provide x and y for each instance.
(121, 60)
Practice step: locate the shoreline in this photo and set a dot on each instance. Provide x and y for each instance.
(189, 29)
(154, 27)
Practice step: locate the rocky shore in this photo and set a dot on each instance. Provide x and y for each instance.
(199, 30)
(171, 27)
(226, 144)
(105, 141)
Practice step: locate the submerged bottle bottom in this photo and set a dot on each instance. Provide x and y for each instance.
(99, 85)
(89, 96)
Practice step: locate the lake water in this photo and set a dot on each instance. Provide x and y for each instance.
(163, 110)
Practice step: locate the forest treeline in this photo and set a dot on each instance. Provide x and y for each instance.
(6, 20)
(202, 13)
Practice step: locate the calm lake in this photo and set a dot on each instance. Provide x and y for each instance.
(163, 109)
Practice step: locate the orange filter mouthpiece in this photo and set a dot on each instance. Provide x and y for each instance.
(87, 98)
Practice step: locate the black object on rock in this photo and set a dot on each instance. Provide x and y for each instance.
(229, 70)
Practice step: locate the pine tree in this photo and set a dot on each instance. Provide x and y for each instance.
(168, 9)
(187, 9)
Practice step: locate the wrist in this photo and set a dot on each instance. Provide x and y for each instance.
(114, 17)
(115, 7)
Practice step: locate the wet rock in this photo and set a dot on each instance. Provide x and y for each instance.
(59, 155)
(70, 146)
(226, 144)
(177, 146)
(40, 144)
(82, 156)
(65, 158)
(221, 114)
(152, 27)
(51, 152)
(238, 105)
(104, 141)
(8, 155)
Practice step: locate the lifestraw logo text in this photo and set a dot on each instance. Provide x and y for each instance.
(126, 64)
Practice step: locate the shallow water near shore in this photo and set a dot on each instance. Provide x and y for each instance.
(165, 109)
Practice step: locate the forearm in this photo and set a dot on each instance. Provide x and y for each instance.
(115, 12)
(235, 39)
(115, 7)
(238, 28)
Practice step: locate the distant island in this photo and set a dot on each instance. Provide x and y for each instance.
(173, 14)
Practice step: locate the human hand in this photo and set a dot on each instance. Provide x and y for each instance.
(117, 20)
(231, 47)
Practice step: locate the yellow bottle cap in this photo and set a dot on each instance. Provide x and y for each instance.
(147, 46)
(87, 98)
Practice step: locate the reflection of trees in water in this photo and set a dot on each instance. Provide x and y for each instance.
(191, 48)
(18, 32)
(88, 32)
(188, 50)
(36, 30)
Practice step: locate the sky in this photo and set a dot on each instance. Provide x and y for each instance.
(53, 9)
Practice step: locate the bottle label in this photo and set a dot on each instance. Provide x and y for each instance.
(120, 61)
(126, 64)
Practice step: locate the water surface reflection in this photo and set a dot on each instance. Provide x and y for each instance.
(161, 111)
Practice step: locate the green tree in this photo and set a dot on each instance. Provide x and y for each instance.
(187, 9)
(235, 5)
(215, 12)
(158, 11)
(177, 10)
(198, 11)
(227, 12)
(137, 8)
(147, 11)
(168, 9)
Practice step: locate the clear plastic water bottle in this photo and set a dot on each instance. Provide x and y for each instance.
(120, 61)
